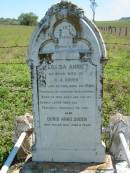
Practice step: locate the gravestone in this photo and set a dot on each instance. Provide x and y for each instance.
(65, 56)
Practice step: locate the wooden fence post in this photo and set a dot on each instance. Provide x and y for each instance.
(120, 31)
(126, 31)
(115, 30)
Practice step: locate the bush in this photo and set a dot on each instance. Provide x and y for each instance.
(28, 19)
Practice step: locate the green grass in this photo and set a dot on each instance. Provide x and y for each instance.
(115, 23)
(15, 100)
(116, 73)
(115, 39)
(15, 84)
(14, 36)
(116, 83)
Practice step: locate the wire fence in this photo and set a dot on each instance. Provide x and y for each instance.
(109, 65)
(13, 63)
(25, 46)
(105, 66)
(17, 46)
(120, 31)
(120, 44)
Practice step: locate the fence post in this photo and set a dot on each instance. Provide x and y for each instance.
(126, 31)
(115, 30)
(110, 29)
(120, 31)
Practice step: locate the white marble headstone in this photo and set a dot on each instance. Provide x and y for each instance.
(65, 57)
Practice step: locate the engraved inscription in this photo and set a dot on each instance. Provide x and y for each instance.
(70, 93)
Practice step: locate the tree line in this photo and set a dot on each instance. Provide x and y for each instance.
(28, 19)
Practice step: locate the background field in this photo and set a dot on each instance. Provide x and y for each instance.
(15, 88)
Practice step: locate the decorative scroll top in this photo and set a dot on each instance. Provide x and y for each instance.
(62, 10)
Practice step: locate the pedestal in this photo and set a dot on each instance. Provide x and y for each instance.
(34, 167)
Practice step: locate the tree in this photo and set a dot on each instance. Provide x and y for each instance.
(93, 7)
(29, 19)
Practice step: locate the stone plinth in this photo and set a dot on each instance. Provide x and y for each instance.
(34, 167)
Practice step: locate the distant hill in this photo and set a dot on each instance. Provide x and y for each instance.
(125, 18)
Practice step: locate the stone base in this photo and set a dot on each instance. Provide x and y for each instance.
(96, 155)
(35, 167)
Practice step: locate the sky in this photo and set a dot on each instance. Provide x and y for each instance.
(106, 10)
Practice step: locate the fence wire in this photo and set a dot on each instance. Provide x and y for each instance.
(8, 47)
(26, 46)
(120, 44)
(105, 66)
(14, 63)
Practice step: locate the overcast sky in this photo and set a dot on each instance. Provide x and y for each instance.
(106, 10)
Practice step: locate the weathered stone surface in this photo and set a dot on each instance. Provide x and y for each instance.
(122, 167)
(115, 118)
(65, 56)
(119, 123)
(24, 124)
(34, 167)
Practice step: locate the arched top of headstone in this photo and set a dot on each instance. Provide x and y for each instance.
(63, 10)
(74, 21)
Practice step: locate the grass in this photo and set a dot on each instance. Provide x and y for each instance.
(15, 100)
(117, 23)
(116, 83)
(14, 36)
(15, 84)
(117, 74)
